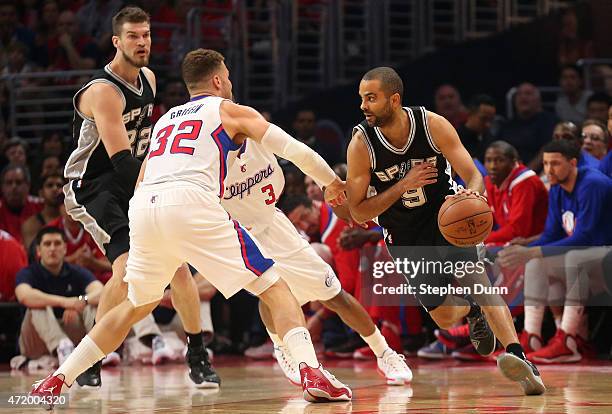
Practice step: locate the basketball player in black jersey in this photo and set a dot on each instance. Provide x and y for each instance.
(112, 128)
(406, 154)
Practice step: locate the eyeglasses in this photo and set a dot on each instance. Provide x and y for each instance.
(592, 137)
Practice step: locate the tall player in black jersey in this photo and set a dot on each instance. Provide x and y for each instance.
(406, 154)
(112, 128)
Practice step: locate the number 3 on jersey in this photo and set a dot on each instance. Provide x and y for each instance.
(270, 191)
(188, 130)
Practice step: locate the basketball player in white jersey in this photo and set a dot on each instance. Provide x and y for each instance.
(253, 182)
(176, 217)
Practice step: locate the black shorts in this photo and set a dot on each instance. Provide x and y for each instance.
(101, 206)
(440, 262)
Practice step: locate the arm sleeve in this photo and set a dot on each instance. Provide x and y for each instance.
(282, 144)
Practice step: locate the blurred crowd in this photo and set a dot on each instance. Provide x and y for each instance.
(49, 262)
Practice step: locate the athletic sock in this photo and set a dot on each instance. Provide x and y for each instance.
(516, 349)
(377, 343)
(194, 340)
(572, 318)
(275, 339)
(84, 356)
(300, 346)
(533, 319)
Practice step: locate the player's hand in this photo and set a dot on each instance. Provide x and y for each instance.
(468, 191)
(335, 193)
(520, 241)
(419, 176)
(355, 237)
(70, 316)
(513, 256)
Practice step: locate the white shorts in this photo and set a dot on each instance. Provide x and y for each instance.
(173, 223)
(307, 275)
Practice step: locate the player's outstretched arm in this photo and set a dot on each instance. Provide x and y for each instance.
(364, 208)
(242, 121)
(445, 138)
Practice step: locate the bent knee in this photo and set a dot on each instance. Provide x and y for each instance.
(444, 316)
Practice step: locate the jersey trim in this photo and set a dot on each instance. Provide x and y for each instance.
(404, 149)
(80, 214)
(427, 132)
(333, 219)
(520, 178)
(83, 152)
(128, 85)
(251, 255)
(368, 144)
(225, 145)
(87, 85)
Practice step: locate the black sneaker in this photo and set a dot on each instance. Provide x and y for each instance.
(201, 371)
(91, 377)
(481, 335)
(522, 371)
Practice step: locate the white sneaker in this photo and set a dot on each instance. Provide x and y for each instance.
(288, 364)
(264, 351)
(111, 360)
(393, 366)
(161, 351)
(64, 349)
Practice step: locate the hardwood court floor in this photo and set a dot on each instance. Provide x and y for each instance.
(259, 387)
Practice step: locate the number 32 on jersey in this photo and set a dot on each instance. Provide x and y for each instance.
(411, 198)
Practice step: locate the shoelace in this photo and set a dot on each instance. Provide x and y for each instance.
(396, 361)
(286, 361)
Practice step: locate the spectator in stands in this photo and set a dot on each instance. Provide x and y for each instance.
(95, 18)
(17, 62)
(304, 128)
(11, 30)
(13, 258)
(598, 105)
(81, 249)
(579, 204)
(173, 94)
(15, 151)
(67, 49)
(531, 127)
(47, 24)
(595, 139)
(515, 193)
(313, 191)
(60, 299)
(294, 180)
(574, 44)
(49, 165)
(53, 197)
(605, 165)
(448, 103)
(16, 205)
(568, 131)
(475, 133)
(571, 105)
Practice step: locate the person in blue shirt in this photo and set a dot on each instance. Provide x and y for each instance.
(605, 166)
(577, 227)
(60, 300)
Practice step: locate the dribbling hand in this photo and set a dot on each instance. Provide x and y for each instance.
(467, 191)
(335, 193)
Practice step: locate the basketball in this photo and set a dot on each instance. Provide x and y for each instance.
(465, 220)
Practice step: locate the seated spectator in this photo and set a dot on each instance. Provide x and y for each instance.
(579, 203)
(304, 128)
(571, 105)
(18, 63)
(475, 133)
(16, 205)
(531, 126)
(49, 165)
(605, 166)
(81, 249)
(13, 259)
(313, 191)
(573, 45)
(516, 195)
(95, 19)
(595, 139)
(60, 298)
(598, 105)
(448, 104)
(67, 49)
(53, 197)
(15, 151)
(11, 30)
(568, 131)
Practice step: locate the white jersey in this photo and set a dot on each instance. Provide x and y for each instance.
(189, 144)
(253, 184)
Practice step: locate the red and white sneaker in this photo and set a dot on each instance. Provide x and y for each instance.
(321, 386)
(51, 386)
(562, 348)
(530, 342)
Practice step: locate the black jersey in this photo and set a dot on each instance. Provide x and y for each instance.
(389, 164)
(89, 159)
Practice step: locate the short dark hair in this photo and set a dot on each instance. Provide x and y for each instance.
(600, 97)
(598, 124)
(565, 148)
(14, 142)
(200, 64)
(49, 230)
(130, 14)
(481, 99)
(44, 178)
(506, 148)
(292, 201)
(390, 81)
(571, 66)
(13, 167)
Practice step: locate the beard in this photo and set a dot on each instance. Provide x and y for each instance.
(137, 64)
(382, 119)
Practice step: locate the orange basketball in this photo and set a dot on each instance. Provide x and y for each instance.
(465, 220)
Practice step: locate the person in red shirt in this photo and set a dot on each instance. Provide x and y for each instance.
(16, 205)
(516, 195)
(13, 258)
